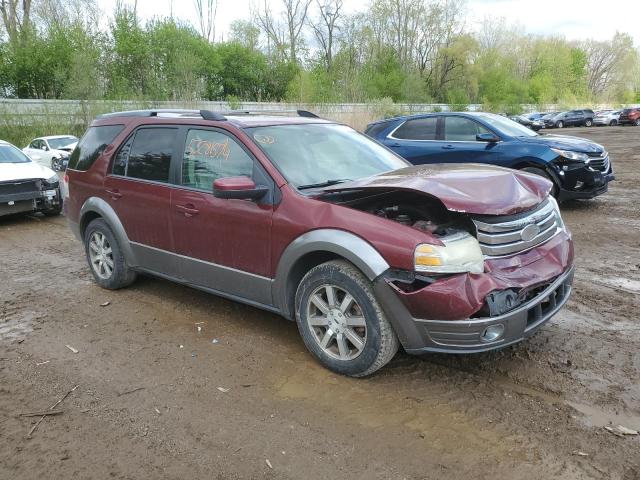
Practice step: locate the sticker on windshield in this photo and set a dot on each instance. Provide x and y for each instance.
(264, 139)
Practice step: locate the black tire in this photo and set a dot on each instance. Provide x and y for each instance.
(613, 123)
(560, 124)
(121, 275)
(637, 122)
(543, 173)
(381, 342)
(588, 122)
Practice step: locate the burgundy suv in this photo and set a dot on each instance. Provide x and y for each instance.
(322, 225)
(630, 116)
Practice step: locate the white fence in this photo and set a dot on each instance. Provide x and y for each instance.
(28, 111)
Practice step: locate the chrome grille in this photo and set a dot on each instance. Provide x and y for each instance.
(500, 236)
(599, 161)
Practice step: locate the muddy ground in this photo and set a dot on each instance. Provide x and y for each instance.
(152, 400)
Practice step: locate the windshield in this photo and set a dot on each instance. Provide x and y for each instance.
(507, 126)
(61, 142)
(10, 154)
(319, 153)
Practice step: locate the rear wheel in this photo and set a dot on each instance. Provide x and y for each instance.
(341, 321)
(105, 258)
(613, 123)
(560, 124)
(637, 122)
(543, 173)
(588, 122)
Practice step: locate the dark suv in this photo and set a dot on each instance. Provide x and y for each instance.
(572, 118)
(578, 168)
(320, 224)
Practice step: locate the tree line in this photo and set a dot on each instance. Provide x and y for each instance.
(308, 51)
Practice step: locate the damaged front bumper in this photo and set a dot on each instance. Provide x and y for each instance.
(584, 181)
(429, 319)
(28, 196)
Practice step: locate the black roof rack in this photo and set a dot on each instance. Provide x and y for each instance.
(205, 114)
(300, 113)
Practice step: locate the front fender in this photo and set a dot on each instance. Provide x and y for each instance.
(337, 242)
(96, 205)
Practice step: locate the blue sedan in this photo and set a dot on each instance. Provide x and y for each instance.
(577, 167)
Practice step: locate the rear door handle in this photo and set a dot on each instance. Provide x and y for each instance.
(447, 147)
(189, 209)
(114, 194)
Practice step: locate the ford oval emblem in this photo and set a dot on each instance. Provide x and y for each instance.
(529, 232)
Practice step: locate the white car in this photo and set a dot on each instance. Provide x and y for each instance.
(25, 186)
(52, 151)
(607, 117)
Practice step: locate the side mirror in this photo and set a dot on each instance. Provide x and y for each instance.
(241, 188)
(487, 137)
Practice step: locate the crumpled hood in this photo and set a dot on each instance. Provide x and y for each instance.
(24, 171)
(565, 142)
(471, 188)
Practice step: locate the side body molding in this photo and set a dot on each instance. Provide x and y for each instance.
(102, 208)
(333, 241)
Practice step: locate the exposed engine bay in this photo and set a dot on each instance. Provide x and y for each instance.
(414, 210)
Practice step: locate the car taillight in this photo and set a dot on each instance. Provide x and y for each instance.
(65, 186)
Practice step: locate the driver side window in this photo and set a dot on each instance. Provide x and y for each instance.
(210, 155)
(461, 129)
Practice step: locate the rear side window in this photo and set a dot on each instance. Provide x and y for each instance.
(418, 129)
(210, 155)
(92, 144)
(147, 155)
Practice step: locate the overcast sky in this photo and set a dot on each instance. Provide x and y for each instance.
(574, 19)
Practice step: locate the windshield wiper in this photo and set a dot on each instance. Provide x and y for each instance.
(326, 183)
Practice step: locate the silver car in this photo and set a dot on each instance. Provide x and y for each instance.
(607, 117)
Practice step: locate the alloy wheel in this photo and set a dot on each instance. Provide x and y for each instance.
(101, 255)
(337, 322)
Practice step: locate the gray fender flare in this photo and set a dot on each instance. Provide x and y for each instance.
(102, 208)
(341, 243)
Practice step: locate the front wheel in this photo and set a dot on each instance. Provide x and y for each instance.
(560, 124)
(341, 321)
(105, 257)
(544, 174)
(55, 164)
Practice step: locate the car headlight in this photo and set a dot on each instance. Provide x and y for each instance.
(460, 253)
(556, 207)
(576, 156)
(52, 181)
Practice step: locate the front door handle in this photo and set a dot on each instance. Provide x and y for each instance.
(189, 209)
(447, 147)
(114, 194)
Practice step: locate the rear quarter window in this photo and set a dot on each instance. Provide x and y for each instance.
(92, 144)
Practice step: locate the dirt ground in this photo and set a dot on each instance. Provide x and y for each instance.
(156, 398)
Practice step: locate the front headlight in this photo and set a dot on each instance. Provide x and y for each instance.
(461, 253)
(576, 156)
(556, 208)
(52, 181)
